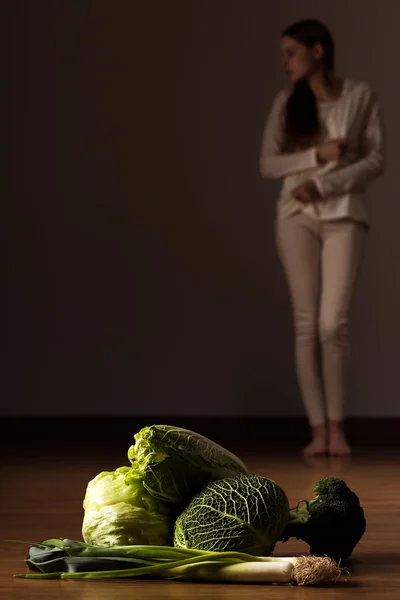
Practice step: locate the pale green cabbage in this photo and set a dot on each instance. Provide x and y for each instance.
(120, 513)
(176, 463)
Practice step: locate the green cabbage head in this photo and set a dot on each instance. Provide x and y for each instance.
(176, 463)
(118, 513)
(246, 513)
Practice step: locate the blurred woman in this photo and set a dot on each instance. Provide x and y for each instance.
(324, 137)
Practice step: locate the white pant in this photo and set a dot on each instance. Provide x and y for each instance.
(321, 260)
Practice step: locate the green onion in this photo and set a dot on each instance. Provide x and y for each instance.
(178, 563)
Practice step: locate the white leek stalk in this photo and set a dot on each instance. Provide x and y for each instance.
(302, 570)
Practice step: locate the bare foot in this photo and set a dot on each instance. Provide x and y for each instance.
(318, 444)
(316, 448)
(338, 445)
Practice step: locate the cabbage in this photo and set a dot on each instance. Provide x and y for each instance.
(176, 463)
(118, 513)
(138, 504)
(246, 513)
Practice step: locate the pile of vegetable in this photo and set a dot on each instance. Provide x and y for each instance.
(187, 508)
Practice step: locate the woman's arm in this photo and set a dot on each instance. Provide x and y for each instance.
(354, 177)
(273, 163)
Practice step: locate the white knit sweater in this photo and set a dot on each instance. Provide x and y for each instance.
(342, 185)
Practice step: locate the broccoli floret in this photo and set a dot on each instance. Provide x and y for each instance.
(332, 523)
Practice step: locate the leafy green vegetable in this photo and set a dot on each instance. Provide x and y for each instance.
(176, 463)
(246, 513)
(138, 504)
(118, 512)
(68, 559)
(332, 523)
(183, 487)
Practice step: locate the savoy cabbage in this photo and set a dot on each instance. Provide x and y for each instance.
(246, 513)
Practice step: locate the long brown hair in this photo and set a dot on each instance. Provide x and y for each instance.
(301, 122)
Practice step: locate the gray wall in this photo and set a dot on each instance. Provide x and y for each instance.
(140, 274)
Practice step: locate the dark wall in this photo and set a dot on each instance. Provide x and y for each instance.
(141, 273)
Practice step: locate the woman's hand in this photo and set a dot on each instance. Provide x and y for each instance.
(307, 193)
(331, 151)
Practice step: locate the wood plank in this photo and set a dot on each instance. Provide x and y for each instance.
(42, 488)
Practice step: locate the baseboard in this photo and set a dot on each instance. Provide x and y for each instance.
(110, 429)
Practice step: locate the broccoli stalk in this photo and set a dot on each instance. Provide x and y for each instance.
(332, 523)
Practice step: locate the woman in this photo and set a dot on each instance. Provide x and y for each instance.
(324, 137)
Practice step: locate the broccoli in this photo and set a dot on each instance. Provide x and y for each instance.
(332, 523)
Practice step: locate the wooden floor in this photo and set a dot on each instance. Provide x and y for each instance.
(43, 483)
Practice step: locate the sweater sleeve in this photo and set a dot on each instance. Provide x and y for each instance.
(354, 177)
(273, 163)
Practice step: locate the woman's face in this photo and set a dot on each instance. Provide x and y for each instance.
(299, 61)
